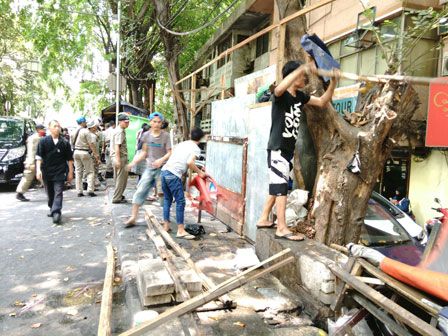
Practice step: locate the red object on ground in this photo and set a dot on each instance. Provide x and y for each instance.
(434, 283)
(204, 202)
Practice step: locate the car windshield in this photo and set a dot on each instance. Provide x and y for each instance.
(381, 228)
(386, 204)
(11, 130)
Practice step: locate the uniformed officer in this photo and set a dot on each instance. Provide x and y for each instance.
(97, 140)
(82, 123)
(119, 156)
(83, 144)
(29, 173)
(107, 156)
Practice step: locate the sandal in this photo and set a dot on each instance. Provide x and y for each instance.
(186, 236)
(289, 237)
(273, 225)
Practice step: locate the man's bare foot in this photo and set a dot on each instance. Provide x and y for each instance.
(265, 224)
(129, 223)
(166, 226)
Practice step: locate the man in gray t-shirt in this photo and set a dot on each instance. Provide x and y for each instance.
(157, 149)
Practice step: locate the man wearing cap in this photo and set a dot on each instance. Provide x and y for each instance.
(156, 147)
(107, 134)
(97, 137)
(119, 156)
(82, 123)
(83, 144)
(29, 172)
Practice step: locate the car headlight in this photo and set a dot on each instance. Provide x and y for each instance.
(14, 153)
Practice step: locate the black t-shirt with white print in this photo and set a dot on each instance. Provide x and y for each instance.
(286, 117)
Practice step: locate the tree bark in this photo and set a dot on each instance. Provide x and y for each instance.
(340, 198)
(171, 47)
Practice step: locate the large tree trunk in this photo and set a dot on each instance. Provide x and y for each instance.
(340, 198)
(171, 47)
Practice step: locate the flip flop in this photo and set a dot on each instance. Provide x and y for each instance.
(186, 236)
(273, 225)
(288, 237)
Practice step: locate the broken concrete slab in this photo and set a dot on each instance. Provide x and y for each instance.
(146, 300)
(188, 276)
(154, 277)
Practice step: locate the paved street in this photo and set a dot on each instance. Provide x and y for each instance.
(59, 267)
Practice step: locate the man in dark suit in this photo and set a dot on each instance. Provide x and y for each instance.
(53, 155)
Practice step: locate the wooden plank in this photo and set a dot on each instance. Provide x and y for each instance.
(106, 299)
(404, 290)
(351, 322)
(381, 315)
(193, 101)
(181, 291)
(205, 101)
(200, 300)
(371, 281)
(280, 51)
(182, 101)
(391, 307)
(301, 12)
(354, 269)
(207, 283)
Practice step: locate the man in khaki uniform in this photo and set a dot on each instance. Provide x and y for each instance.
(82, 123)
(107, 135)
(119, 156)
(29, 173)
(97, 139)
(83, 144)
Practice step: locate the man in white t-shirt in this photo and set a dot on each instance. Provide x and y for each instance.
(183, 157)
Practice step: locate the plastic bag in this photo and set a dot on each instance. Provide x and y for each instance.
(195, 229)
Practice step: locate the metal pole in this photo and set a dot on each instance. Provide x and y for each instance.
(117, 106)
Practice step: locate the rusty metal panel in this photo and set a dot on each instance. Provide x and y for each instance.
(257, 169)
(229, 116)
(225, 164)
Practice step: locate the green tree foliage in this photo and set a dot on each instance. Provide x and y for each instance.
(20, 84)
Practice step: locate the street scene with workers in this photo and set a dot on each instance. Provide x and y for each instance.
(224, 167)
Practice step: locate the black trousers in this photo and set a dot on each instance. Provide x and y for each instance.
(54, 191)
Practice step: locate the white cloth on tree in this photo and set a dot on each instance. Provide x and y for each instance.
(373, 256)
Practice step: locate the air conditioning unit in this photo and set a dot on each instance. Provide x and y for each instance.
(444, 68)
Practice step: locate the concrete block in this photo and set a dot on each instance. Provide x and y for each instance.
(192, 295)
(325, 298)
(188, 276)
(327, 287)
(313, 273)
(155, 278)
(150, 300)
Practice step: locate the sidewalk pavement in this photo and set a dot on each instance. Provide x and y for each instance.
(264, 306)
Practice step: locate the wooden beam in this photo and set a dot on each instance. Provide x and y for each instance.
(205, 101)
(355, 269)
(381, 315)
(106, 299)
(280, 51)
(182, 101)
(257, 35)
(404, 290)
(207, 283)
(371, 281)
(172, 270)
(380, 78)
(193, 101)
(202, 299)
(202, 89)
(388, 305)
(351, 322)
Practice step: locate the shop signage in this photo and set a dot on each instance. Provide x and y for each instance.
(437, 122)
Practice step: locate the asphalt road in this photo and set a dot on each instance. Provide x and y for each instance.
(56, 271)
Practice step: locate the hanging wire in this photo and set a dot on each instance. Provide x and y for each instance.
(201, 27)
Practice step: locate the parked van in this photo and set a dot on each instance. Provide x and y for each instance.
(13, 134)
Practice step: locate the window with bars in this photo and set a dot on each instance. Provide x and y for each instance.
(223, 46)
(262, 45)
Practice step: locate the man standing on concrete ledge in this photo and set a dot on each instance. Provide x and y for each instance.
(119, 156)
(53, 156)
(157, 148)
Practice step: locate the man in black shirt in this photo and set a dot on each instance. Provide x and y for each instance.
(287, 103)
(53, 155)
